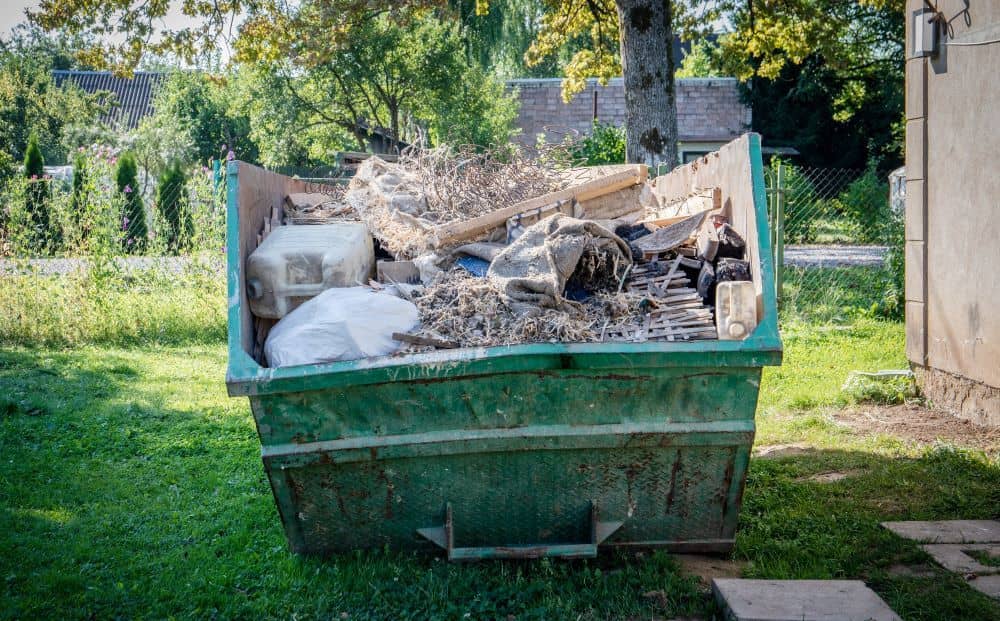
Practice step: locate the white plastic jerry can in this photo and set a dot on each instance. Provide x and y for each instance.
(298, 262)
(735, 310)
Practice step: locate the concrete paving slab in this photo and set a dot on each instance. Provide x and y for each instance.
(800, 600)
(988, 585)
(950, 531)
(955, 556)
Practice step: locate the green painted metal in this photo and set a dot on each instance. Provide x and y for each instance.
(779, 231)
(521, 442)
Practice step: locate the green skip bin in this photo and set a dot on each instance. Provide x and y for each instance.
(522, 451)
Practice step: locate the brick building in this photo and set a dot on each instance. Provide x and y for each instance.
(709, 111)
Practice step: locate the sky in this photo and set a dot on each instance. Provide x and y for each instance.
(12, 13)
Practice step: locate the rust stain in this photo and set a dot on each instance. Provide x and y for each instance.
(726, 482)
(373, 451)
(610, 376)
(390, 491)
(673, 481)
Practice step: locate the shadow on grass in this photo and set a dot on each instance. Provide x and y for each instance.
(119, 500)
(815, 514)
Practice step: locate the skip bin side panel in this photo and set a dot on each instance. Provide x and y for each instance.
(668, 486)
(512, 400)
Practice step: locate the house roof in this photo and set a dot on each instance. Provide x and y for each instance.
(132, 97)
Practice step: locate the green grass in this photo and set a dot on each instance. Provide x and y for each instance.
(114, 307)
(131, 487)
(837, 295)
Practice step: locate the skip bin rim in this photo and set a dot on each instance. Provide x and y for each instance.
(245, 377)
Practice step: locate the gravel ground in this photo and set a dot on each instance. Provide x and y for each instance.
(50, 267)
(835, 256)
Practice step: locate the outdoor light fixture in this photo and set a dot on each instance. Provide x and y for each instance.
(925, 32)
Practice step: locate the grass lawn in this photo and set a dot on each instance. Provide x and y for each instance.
(131, 487)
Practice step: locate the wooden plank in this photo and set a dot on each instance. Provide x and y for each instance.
(617, 204)
(423, 341)
(468, 229)
(670, 237)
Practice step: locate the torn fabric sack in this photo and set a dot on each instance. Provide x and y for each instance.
(537, 266)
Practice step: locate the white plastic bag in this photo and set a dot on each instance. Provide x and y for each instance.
(340, 324)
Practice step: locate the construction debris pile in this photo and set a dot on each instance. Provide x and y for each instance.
(476, 251)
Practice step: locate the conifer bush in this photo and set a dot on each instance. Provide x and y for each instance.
(135, 232)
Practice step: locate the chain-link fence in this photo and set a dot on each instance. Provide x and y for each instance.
(837, 238)
(834, 234)
(100, 208)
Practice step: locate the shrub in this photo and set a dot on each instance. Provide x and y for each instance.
(865, 202)
(171, 201)
(42, 234)
(800, 202)
(604, 145)
(136, 233)
(79, 183)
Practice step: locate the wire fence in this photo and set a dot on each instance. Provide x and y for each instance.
(95, 209)
(836, 235)
(835, 238)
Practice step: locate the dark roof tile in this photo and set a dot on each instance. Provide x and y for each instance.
(133, 97)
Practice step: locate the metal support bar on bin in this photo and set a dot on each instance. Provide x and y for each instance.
(444, 536)
(779, 232)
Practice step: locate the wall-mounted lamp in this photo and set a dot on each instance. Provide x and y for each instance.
(925, 32)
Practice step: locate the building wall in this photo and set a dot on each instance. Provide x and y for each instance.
(953, 210)
(709, 110)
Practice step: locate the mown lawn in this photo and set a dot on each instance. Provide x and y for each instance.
(131, 487)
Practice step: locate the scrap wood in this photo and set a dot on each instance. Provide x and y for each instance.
(315, 207)
(698, 201)
(669, 238)
(459, 231)
(621, 204)
(423, 341)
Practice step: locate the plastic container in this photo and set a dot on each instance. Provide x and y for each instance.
(296, 263)
(735, 309)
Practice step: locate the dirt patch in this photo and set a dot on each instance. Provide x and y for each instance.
(920, 424)
(708, 567)
(912, 571)
(830, 477)
(777, 451)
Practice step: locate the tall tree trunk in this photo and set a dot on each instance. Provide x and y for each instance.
(647, 54)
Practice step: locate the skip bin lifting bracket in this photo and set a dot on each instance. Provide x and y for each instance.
(444, 536)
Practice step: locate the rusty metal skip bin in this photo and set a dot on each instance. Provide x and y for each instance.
(525, 451)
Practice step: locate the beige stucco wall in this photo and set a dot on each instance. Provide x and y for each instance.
(953, 196)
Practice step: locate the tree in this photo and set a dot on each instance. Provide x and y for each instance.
(854, 40)
(798, 109)
(407, 82)
(498, 40)
(171, 201)
(135, 233)
(631, 37)
(700, 61)
(30, 102)
(201, 104)
(37, 196)
(78, 200)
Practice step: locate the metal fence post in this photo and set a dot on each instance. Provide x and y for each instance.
(216, 174)
(779, 230)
